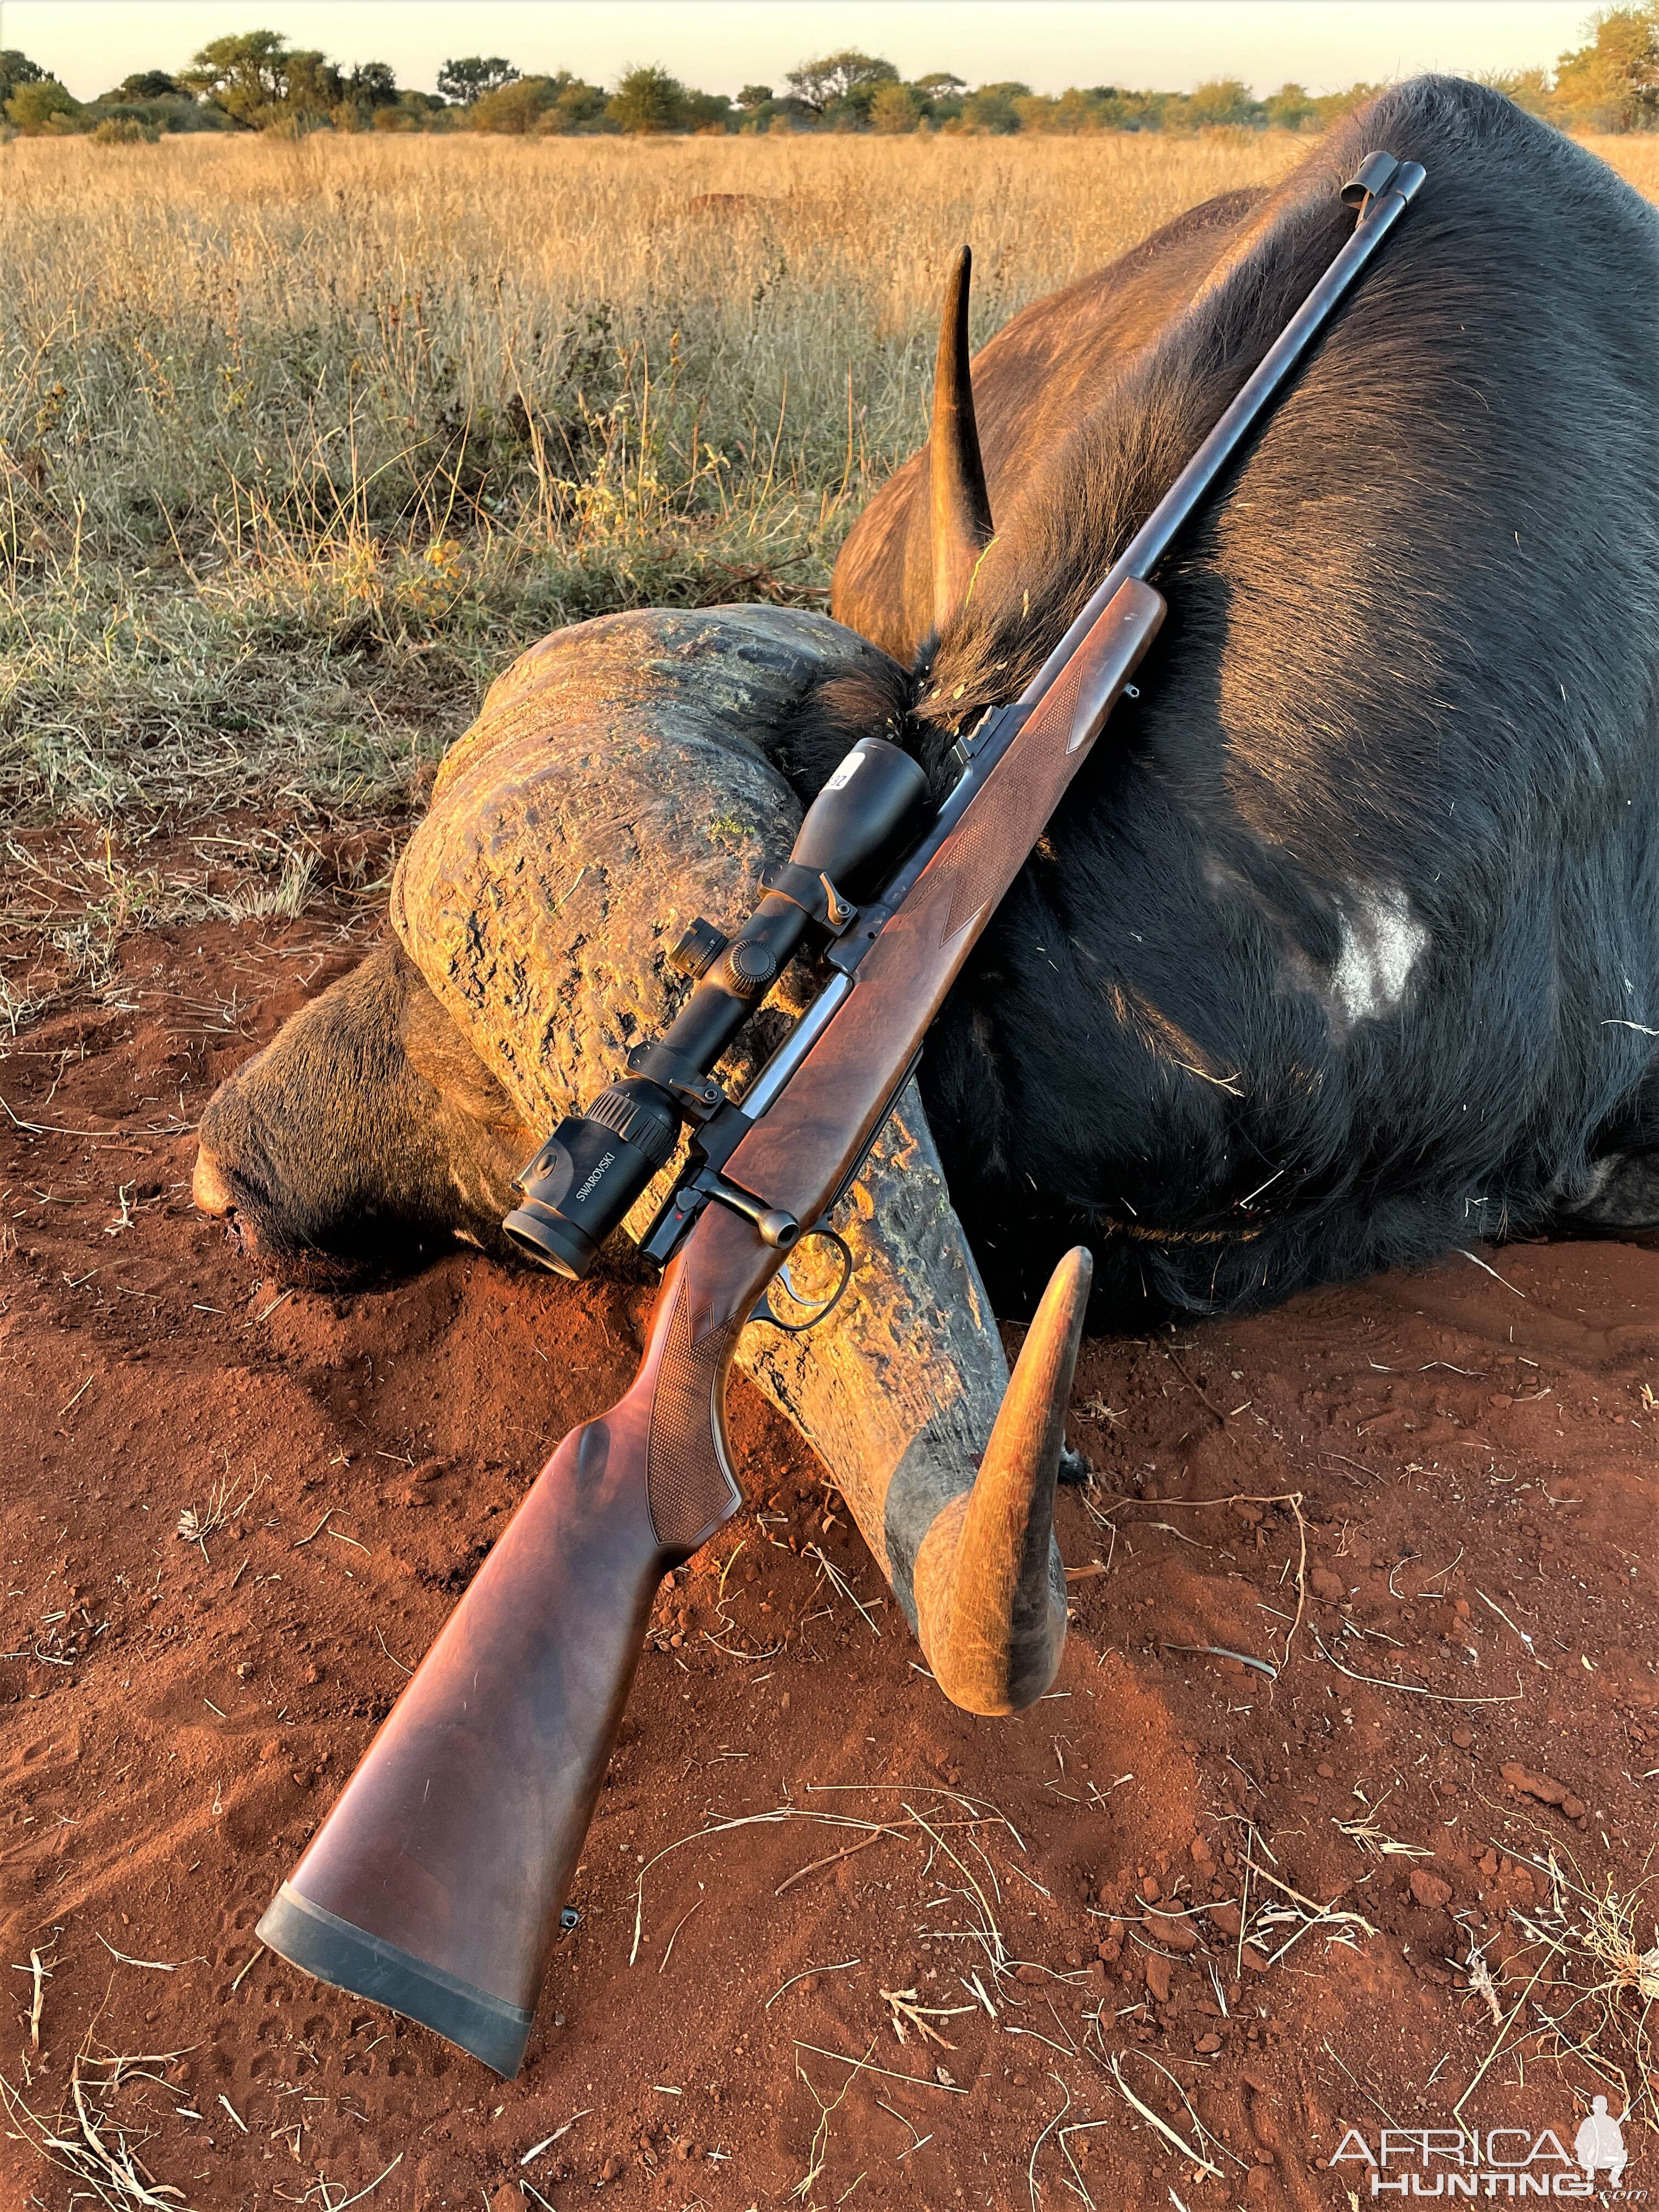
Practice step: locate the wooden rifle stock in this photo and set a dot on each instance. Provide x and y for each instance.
(436, 1884)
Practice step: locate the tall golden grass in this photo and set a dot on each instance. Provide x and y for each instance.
(299, 440)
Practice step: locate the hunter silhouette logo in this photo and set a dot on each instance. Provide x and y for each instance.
(1600, 2142)
(1498, 2161)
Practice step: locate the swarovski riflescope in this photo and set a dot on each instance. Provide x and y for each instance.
(588, 1174)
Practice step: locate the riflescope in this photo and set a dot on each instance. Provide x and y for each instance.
(588, 1174)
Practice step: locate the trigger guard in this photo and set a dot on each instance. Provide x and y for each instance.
(764, 1311)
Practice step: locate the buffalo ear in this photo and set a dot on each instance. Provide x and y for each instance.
(960, 505)
(442, 1057)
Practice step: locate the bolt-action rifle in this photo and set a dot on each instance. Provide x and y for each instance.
(436, 1883)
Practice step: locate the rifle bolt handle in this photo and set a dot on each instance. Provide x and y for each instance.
(778, 1227)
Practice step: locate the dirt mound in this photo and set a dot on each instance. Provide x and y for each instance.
(1265, 1897)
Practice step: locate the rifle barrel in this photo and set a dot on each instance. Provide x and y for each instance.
(1153, 538)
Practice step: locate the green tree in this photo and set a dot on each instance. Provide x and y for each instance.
(16, 69)
(894, 108)
(577, 105)
(43, 106)
(754, 95)
(848, 75)
(1612, 83)
(1290, 108)
(648, 99)
(245, 74)
(1075, 110)
(371, 84)
(312, 86)
(1223, 100)
(991, 109)
(143, 84)
(1332, 106)
(468, 80)
(1526, 88)
(515, 108)
(1121, 109)
(940, 93)
(707, 111)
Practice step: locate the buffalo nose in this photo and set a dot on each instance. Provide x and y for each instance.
(209, 1189)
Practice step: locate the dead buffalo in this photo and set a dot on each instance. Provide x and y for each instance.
(1343, 948)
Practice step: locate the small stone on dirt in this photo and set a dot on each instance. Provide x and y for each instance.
(1157, 1977)
(1175, 1934)
(1543, 1787)
(1429, 1890)
(1326, 1585)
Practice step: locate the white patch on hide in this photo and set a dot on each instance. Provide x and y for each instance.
(1382, 942)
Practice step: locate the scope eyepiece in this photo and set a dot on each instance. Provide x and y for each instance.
(589, 1172)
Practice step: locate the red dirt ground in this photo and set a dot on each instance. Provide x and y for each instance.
(1475, 1462)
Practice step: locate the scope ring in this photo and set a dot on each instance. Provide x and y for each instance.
(826, 1306)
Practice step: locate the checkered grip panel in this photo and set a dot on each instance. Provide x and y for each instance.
(688, 1489)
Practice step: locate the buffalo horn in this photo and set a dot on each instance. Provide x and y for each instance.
(992, 1617)
(960, 506)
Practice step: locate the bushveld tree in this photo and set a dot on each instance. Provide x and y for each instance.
(371, 84)
(707, 111)
(143, 84)
(992, 110)
(16, 69)
(313, 86)
(1289, 108)
(648, 99)
(1223, 100)
(1332, 106)
(469, 79)
(848, 76)
(1612, 83)
(245, 74)
(940, 93)
(895, 107)
(515, 108)
(577, 105)
(43, 106)
(754, 95)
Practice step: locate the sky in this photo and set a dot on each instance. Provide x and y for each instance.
(721, 45)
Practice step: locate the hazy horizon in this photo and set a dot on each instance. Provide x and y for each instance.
(721, 45)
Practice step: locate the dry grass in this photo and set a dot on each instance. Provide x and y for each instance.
(1586, 1985)
(300, 442)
